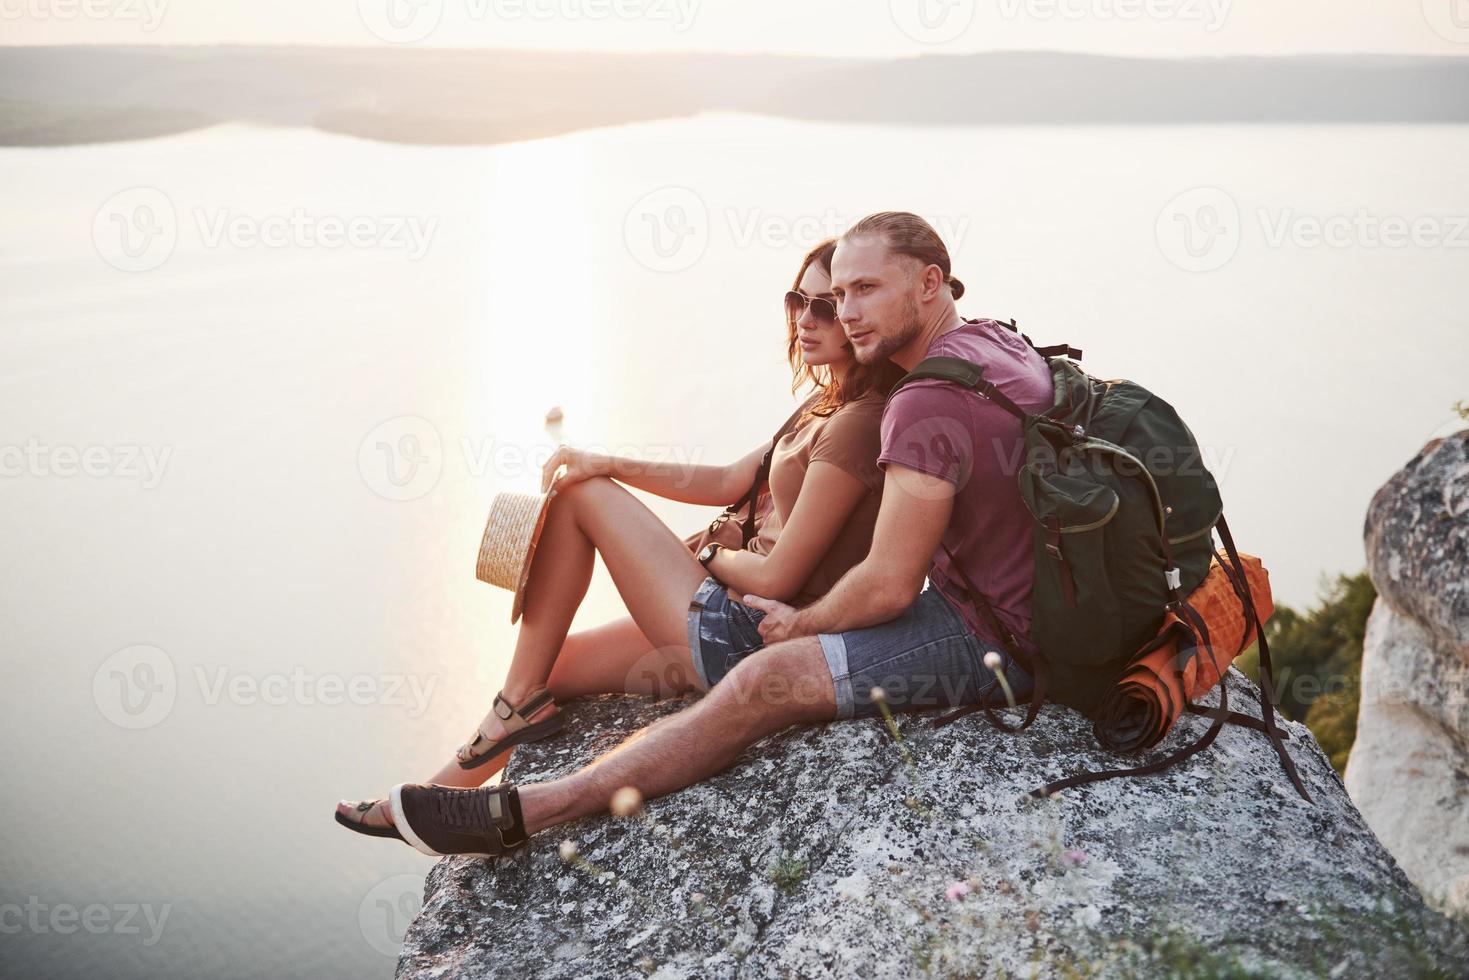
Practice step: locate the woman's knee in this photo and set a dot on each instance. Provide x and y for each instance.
(593, 487)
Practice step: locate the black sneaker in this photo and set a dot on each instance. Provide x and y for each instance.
(439, 820)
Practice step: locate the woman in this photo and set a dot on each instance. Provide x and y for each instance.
(825, 488)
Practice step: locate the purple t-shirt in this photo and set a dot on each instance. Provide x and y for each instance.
(946, 431)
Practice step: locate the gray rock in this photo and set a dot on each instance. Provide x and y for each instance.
(1417, 536)
(823, 853)
(1409, 768)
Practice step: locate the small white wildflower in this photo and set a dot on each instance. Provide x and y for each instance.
(993, 661)
(878, 694)
(627, 801)
(568, 850)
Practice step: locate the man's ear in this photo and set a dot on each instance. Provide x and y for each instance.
(933, 281)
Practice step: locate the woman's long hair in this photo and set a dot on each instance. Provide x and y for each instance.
(831, 393)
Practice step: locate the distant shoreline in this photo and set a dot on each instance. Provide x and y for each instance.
(66, 96)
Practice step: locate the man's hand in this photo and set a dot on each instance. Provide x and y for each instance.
(580, 465)
(780, 619)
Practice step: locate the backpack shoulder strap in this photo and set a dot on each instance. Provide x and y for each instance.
(965, 374)
(762, 476)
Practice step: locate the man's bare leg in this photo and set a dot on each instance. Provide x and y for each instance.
(781, 685)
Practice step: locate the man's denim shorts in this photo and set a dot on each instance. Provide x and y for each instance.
(926, 658)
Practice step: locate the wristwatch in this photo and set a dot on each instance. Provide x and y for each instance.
(709, 551)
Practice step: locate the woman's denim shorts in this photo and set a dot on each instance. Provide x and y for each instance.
(925, 658)
(722, 632)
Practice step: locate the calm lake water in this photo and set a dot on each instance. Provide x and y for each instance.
(257, 388)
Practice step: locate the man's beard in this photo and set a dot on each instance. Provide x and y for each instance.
(889, 344)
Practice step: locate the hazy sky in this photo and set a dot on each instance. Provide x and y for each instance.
(831, 27)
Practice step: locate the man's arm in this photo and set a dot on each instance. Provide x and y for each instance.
(910, 522)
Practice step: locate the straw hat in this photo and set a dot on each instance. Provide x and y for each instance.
(511, 533)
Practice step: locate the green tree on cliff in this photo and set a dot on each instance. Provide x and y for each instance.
(1318, 662)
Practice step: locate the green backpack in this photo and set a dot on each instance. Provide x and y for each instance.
(1124, 511)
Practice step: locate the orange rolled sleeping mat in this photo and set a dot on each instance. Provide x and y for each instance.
(1173, 670)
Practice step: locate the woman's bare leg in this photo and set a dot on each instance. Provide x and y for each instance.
(616, 658)
(654, 573)
(656, 576)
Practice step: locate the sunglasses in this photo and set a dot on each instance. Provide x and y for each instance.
(823, 311)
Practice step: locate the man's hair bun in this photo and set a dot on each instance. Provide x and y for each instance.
(957, 287)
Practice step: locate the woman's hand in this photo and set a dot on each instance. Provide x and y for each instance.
(580, 465)
(780, 619)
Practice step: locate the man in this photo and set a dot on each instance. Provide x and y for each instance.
(951, 513)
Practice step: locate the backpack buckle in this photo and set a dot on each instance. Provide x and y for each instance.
(1174, 577)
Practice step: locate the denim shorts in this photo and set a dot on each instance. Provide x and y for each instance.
(926, 658)
(722, 632)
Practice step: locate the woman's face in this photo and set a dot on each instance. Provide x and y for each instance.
(820, 344)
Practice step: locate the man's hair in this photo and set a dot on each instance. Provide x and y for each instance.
(908, 234)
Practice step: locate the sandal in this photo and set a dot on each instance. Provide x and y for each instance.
(515, 719)
(360, 826)
(440, 820)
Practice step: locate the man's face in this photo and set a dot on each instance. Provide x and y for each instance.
(877, 297)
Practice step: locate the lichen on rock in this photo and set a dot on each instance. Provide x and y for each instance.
(821, 853)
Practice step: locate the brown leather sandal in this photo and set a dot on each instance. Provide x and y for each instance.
(358, 822)
(515, 719)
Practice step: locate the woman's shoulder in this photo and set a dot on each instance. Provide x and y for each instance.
(851, 438)
(867, 406)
